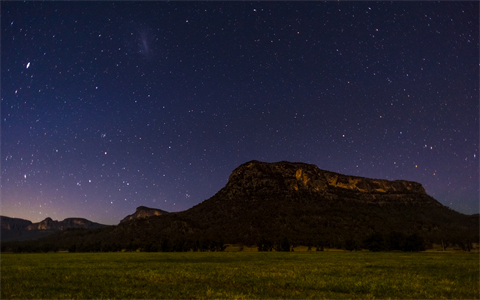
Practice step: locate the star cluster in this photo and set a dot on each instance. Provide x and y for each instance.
(107, 106)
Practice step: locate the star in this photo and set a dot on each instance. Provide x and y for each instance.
(176, 95)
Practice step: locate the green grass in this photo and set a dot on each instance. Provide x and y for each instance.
(240, 275)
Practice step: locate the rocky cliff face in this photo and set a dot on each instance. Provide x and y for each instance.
(8, 223)
(288, 178)
(303, 202)
(144, 212)
(46, 224)
(49, 224)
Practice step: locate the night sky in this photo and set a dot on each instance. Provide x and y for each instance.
(107, 106)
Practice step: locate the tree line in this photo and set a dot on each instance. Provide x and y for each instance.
(393, 241)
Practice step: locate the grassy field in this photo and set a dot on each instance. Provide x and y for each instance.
(240, 275)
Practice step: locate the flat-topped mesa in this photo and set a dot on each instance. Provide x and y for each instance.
(255, 175)
(144, 212)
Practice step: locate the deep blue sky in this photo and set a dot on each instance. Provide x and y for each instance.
(107, 106)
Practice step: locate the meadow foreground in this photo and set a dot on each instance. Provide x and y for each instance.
(240, 275)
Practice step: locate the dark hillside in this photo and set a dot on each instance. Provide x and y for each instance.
(305, 204)
(22, 230)
(294, 202)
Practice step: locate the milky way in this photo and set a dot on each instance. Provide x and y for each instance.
(107, 106)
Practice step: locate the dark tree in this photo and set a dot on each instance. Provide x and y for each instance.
(352, 245)
(395, 241)
(375, 242)
(165, 245)
(264, 244)
(414, 243)
(284, 245)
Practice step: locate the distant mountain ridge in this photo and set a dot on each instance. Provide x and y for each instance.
(49, 224)
(20, 229)
(8, 223)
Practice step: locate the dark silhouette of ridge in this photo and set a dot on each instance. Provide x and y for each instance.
(19, 229)
(285, 201)
(144, 212)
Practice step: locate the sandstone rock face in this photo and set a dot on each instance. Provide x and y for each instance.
(366, 185)
(8, 223)
(144, 212)
(46, 224)
(286, 177)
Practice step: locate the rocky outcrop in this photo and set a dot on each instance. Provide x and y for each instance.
(8, 223)
(304, 203)
(49, 224)
(46, 224)
(288, 178)
(144, 212)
